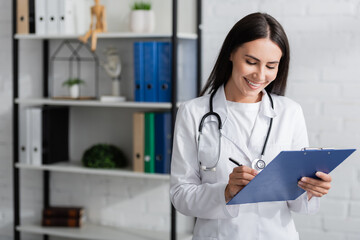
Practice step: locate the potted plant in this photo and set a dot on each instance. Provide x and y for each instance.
(104, 155)
(74, 86)
(142, 17)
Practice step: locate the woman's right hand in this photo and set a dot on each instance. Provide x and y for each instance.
(238, 179)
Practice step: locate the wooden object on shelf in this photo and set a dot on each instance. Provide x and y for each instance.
(22, 19)
(138, 141)
(62, 216)
(65, 212)
(99, 13)
(61, 222)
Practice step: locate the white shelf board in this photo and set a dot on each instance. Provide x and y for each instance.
(109, 35)
(76, 167)
(95, 232)
(93, 103)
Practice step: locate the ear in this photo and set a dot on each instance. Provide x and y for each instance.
(231, 57)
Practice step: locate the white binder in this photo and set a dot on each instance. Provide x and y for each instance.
(40, 17)
(66, 23)
(36, 136)
(52, 17)
(25, 128)
(82, 15)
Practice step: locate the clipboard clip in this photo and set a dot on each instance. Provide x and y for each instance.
(314, 148)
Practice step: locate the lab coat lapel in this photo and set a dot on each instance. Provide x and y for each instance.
(228, 127)
(261, 126)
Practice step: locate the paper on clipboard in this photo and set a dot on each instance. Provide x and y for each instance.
(278, 181)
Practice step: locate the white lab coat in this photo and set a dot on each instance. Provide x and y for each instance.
(199, 193)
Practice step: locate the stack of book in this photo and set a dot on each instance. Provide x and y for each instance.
(62, 216)
(152, 142)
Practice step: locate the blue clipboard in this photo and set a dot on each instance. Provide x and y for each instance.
(279, 180)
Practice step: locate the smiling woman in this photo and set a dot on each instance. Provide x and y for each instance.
(246, 110)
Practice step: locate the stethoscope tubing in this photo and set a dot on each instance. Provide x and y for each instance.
(212, 113)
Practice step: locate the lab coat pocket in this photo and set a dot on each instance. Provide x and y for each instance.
(208, 176)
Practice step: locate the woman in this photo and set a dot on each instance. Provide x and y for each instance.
(246, 90)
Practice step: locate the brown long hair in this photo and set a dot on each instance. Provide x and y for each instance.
(251, 27)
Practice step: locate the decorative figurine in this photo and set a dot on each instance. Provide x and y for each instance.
(99, 13)
(113, 70)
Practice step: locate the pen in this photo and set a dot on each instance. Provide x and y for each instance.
(235, 162)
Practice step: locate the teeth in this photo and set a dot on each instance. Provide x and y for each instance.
(253, 84)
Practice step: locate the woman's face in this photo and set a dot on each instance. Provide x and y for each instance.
(255, 65)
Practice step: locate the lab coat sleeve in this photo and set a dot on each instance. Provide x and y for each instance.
(188, 194)
(300, 140)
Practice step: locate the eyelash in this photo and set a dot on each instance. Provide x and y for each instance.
(252, 63)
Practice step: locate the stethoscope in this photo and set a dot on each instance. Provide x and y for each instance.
(258, 164)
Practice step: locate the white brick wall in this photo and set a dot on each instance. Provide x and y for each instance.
(324, 39)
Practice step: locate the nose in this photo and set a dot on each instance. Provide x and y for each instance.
(259, 75)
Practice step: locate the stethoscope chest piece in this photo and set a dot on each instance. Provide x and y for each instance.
(258, 164)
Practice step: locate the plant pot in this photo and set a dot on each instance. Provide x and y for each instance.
(149, 21)
(75, 91)
(137, 21)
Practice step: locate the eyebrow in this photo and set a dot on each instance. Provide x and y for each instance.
(256, 59)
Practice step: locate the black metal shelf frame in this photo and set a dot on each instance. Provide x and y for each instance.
(46, 173)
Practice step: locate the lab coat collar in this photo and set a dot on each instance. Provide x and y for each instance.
(220, 105)
(260, 128)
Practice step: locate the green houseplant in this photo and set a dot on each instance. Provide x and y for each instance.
(141, 6)
(142, 17)
(74, 86)
(104, 156)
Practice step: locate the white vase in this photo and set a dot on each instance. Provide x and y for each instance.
(149, 21)
(75, 91)
(137, 21)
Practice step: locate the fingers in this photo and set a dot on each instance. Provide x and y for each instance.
(238, 179)
(316, 187)
(314, 190)
(323, 176)
(242, 175)
(245, 169)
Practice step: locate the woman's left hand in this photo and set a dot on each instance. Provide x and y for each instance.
(316, 187)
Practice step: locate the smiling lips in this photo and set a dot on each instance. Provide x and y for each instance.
(253, 85)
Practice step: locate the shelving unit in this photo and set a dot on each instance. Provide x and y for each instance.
(93, 103)
(183, 36)
(76, 167)
(92, 231)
